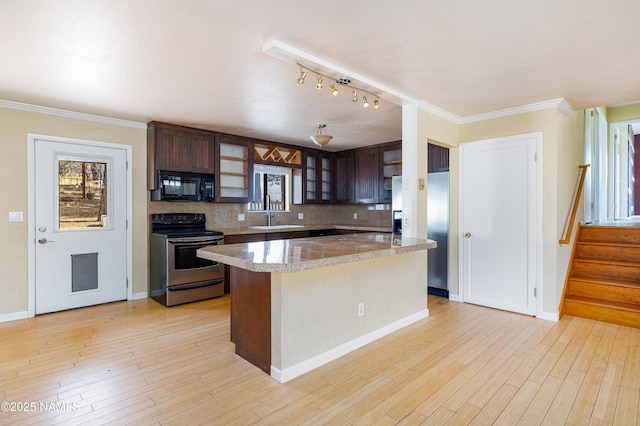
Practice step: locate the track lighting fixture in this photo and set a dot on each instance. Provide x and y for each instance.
(303, 75)
(340, 80)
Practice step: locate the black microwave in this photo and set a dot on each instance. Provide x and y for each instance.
(183, 186)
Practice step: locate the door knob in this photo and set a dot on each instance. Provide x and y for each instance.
(467, 234)
(44, 241)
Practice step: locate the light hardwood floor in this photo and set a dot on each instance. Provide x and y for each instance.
(141, 363)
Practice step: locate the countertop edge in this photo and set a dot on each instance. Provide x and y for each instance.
(315, 263)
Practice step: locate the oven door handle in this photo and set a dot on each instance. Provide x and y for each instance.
(194, 241)
(195, 285)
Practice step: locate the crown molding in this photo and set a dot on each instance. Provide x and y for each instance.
(439, 112)
(559, 103)
(71, 114)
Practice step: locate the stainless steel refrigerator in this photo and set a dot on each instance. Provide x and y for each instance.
(438, 230)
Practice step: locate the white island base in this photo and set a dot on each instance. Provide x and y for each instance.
(315, 313)
(301, 303)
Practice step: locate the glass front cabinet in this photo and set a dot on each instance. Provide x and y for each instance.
(234, 169)
(317, 176)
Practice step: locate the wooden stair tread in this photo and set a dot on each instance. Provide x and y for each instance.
(608, 244)
(632, 307)
(606, 281)
(607, 262)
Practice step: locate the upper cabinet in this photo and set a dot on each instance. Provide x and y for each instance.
(178, 148)
(391, 158)
(318, 177)
(343, 182)
(235, 169)
(367, 175)
(360, 175)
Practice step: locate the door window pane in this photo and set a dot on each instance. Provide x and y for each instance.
(82, 193)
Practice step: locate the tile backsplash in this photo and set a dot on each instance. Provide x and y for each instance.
(225, 216)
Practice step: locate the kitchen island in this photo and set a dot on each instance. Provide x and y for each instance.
(297, 304)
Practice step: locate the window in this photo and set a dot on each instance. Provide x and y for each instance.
(271, 188)
(82, 194)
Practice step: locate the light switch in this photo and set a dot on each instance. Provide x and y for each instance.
(300, 216)
(15, 217)
(241, 217)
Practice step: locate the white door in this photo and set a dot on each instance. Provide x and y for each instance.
(80, 221)
(499, 210)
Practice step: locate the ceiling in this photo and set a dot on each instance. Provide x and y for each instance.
(201, 62)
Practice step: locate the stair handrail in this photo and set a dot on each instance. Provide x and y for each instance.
(576, 201)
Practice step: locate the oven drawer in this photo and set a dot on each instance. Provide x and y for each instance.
(185, 293)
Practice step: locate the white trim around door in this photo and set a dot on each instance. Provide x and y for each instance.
(534, 140)
(31, 235)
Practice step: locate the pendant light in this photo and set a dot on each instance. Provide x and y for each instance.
(321, 138)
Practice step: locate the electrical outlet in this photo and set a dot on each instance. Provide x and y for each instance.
(361, 309)
(355, 216)
(406, 222)
(241, 217)
(300, 216)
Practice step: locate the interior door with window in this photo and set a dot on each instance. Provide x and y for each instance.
(80, 221)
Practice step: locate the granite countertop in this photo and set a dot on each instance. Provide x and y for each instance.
(307, 253)
(247, 230)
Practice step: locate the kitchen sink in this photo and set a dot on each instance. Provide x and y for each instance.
(276, 226)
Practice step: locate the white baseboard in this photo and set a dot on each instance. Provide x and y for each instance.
(15, 316)
(141, 295)
(549, 316)
(282, 376)
(454, 297)
(25, 314)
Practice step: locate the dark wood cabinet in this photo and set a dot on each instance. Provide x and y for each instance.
(391, 159)
(234, 173)
(178, 148)
(367, 175)
(438, 158)
(318, 177)
(286, 235)
(343, 181)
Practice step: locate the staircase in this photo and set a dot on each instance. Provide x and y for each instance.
(603, 281)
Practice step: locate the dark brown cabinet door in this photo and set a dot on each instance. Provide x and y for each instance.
(343, 177)
(201, 152)
(318, 177)
(178, 149)
(171, 149)
(367, 181)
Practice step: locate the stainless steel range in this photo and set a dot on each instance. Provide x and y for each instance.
(177, 274)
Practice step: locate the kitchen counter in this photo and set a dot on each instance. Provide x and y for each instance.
(307, 253)
(247, 230)
(300, 303)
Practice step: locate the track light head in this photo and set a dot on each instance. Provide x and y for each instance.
(365, 102)
(376, 105)
(354, 96)
(318, 82)
(333, 89)
(303, 75)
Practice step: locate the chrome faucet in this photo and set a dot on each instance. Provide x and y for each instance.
(268, 210)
